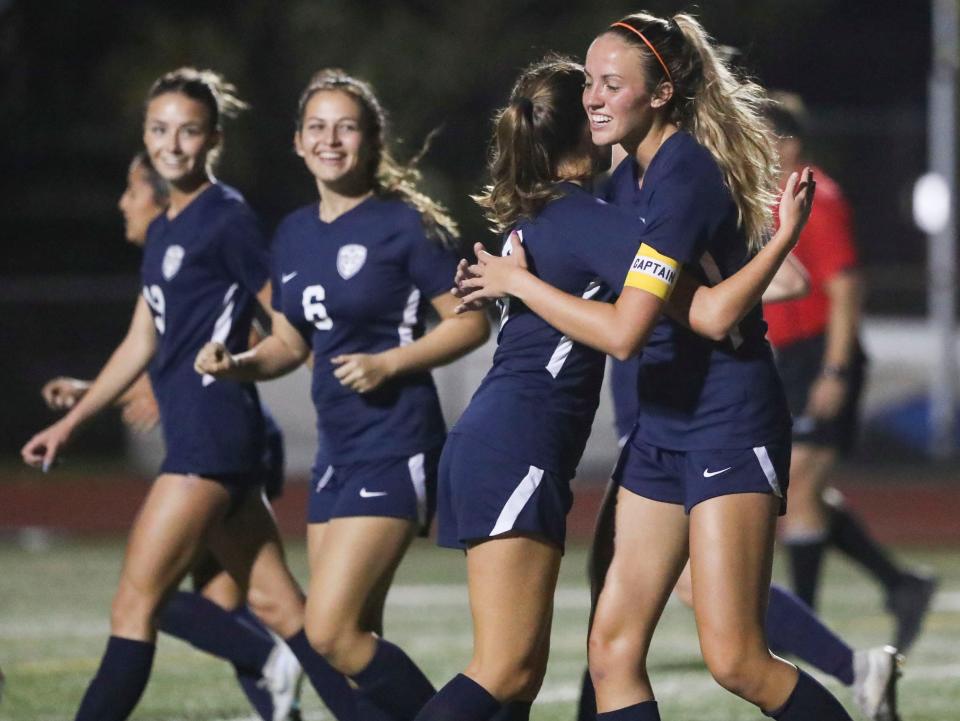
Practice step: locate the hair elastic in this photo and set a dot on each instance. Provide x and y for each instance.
(649, 45)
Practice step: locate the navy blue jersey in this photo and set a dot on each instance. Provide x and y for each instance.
(201, 272)
(361, 284)
(538, 401)
(694, 393)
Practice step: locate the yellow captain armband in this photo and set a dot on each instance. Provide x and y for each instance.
(653, 272)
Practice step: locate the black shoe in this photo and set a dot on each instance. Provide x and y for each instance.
(909, 602)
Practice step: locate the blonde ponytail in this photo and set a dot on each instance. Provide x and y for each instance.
(727, 118)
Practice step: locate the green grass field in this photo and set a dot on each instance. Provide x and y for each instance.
(53, 624)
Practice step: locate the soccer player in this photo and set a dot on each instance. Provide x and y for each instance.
(353, 276)
(507, 465)
(204, 262)
(704, 473)
(214, 617)
(822, 365)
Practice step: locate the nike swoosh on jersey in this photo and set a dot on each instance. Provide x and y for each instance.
(287, 277)
(707, 473)
(364, 493)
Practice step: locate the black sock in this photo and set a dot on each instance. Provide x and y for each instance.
(115, 690)
(793, 627)
(203, 624)
(806, 557)
(394, 682)
(850, 536)
(331, 685)
(513, 711)
(462, 699)
(587, 707)
(810, 701)
(259, 697)
(643, 711)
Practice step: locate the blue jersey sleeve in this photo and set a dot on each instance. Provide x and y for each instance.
(430, 265)
(687, 206)
(244, 251)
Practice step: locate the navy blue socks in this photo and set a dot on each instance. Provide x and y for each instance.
(806, 557)
(330, 684)
(792, 627)
(513, 711)
(849, 536)
(120, 681)
(394, 682)
(644, 711)
(203, 624)
(462, 699)
(809, 700)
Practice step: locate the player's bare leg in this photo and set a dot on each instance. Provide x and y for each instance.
(650, 548)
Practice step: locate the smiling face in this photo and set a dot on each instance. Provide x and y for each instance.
(178, 138)
(619, 107)
(139, 204)
(332, 140)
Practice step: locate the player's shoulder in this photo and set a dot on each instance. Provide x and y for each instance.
(394, 213)
(682, 159)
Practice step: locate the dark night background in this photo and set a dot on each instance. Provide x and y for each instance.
(74, 75)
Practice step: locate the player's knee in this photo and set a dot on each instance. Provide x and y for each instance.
(736, 669)
(132, 607)
(333, 641)
(608, 649)
(509, 679)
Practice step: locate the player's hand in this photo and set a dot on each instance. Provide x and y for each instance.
(363, 372)
(41, 450)
(826, 397)
(459, 291)
(62, 393)
(492, 276)
(796, 202)
(214, 359)
(140, 410)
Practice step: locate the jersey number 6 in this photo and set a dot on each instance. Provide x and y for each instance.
(313, 308)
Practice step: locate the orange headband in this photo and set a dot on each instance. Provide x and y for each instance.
(649, 45)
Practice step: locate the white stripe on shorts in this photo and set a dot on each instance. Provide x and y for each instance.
(518, 499)
(769, 471)
(325, 478)
(418, 476)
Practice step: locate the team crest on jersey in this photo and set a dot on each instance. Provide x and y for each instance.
(172, 261)
(350, 260)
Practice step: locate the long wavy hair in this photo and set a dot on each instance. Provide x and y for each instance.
(539, 128)
(722, 109)
(385, 175)
(209, 88)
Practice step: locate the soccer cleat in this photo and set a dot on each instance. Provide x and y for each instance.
(281, 677)
(875, 674)
(909, 602)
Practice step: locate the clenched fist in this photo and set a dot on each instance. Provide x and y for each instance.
(214, 359)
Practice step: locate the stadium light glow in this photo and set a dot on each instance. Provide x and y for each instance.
(931, 203)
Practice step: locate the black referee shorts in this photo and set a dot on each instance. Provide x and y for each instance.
(800, 364)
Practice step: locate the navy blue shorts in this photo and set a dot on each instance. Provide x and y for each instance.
(484, 493)
(394, 487)
(690, 477)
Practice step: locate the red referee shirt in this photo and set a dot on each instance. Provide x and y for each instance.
(825, 249)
